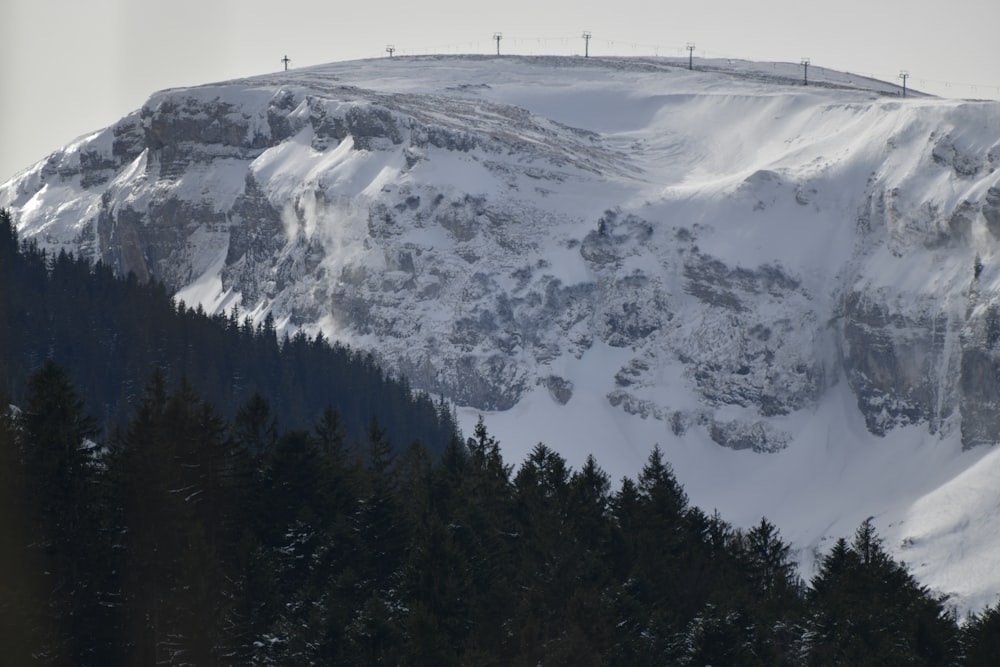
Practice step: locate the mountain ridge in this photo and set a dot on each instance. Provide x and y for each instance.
(623, 248)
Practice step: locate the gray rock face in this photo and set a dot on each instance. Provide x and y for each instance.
(991, 211)
(256, 236)
(921, 351)
(485, 250)
(892, 362)
(559, 388)
(930, 365)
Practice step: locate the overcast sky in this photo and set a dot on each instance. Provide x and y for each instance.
(70, 67)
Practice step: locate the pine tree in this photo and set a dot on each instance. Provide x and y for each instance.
(768, 564)
(866, 609)
(363, 619)
(60, 480)
(980, 637)
(57, 449)
(8, 237)
(661, 558)
(487, 532)
(206, 465)
(26, 630)
(660, 490)
(255, 428)
(172, 465)
(542, 491)
(437, 572)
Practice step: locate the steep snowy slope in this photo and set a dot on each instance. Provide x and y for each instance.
(791, 289)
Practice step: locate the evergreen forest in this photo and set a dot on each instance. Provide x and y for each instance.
(201, 516)
(110, 333)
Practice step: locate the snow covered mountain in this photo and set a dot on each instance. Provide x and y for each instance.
(792, 289)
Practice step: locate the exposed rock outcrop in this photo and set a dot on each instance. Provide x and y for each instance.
(485, 248)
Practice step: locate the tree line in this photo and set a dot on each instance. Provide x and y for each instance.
(185, 538)
(110, 332)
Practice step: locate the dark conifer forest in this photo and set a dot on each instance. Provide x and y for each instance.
(180, 489)
(111, 333)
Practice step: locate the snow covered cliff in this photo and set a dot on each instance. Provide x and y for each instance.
(792, 289)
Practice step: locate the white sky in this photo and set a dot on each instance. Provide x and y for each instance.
(68, 67)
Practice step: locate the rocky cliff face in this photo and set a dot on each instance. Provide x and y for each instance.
(491, 228)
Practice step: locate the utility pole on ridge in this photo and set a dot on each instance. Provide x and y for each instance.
(286, 61)
(586, 43)
(390, 50)
(690, 48)
(497, 36)
(805, 71)
(903, 74)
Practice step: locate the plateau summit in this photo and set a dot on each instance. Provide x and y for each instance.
(793, 289)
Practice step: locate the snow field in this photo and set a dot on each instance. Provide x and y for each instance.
(757, 170)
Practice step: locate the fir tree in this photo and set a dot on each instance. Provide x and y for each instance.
(60, 470)
(980, 638)
(866, 609)
(26, 631)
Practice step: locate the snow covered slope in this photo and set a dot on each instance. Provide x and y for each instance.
(792, 289)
